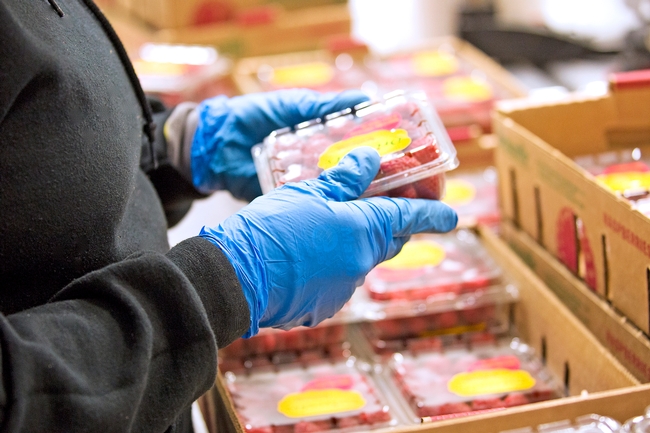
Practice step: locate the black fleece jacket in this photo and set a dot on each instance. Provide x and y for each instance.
(103, 328)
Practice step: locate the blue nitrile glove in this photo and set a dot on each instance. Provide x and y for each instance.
(301, 250)
(229, 127)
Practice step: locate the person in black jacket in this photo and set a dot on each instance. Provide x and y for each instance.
(103, 327)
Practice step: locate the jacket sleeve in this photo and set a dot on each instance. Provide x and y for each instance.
(125, 348)
(169, 168)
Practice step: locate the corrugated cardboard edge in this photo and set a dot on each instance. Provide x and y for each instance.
(534, 163)
(539, 306)
(625, 341)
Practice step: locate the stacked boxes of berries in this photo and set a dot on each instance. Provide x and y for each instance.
(310, 398)
(403, 128)
(460, 81)
(477, 377)
(272, 347)
(438, 286)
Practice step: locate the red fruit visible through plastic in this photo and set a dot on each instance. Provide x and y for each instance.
(312, 426)
(424, 149)
(431, 187)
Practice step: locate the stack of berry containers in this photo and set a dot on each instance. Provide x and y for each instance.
(439, 285)
(585, 424)
(338, 395)
(464, 379)
(415, 148)
(625, 172)
(271, 347)
(345, 71)
(462, 94)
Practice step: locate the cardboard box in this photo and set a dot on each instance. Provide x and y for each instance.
(274, 31)
(613, 330)
(595, 233)
(169, 14)
(595, 380)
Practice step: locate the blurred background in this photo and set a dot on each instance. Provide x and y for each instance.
(465, 54)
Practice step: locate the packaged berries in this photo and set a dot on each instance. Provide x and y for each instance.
(319, 397)
(404, 129)
(273, 346)
(466, 379)
(434, 265)
(435, 331)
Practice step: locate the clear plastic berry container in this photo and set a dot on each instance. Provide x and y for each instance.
(431, 265)
(178, 73)
(436, 330)
(473, 195)
(639, 424)
(462, 93)
(274, 346)
(404, 128)
(319, 397)
(460, 380)
(591, 423)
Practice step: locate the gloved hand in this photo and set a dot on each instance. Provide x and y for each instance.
(228, 128)
(301, 250)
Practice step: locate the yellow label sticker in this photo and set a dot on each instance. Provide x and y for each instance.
(625, 181)
(416, 254)
(154, 68)
(320, 402)
(466, 89)
(434, 64)
(384, 142)
(497, 381)
(459, 192)
(303, 75)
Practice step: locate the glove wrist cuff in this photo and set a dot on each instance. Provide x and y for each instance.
(254, 285)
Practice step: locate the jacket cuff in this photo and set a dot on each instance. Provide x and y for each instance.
(217, 285)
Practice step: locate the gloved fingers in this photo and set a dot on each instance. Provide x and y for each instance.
(410, 216)
(243, 186)
(350, 177)
(331, 102)
(395, 246)
(293, 106)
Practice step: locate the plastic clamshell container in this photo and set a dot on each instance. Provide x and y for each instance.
(432, 265)
(591, 423)
(404, 128)
(434, 331)
(461, 93)
(273, 346)
(473, 195)
(639, 424)
(323, 75)
(318, 397)
(477, 377)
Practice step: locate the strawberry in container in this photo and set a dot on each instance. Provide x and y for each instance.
(301, 340)
(432, 265)
(461, 380)
(404, 129)
(319, 397)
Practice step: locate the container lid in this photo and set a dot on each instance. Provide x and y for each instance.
(404, 128)
(321, 396)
